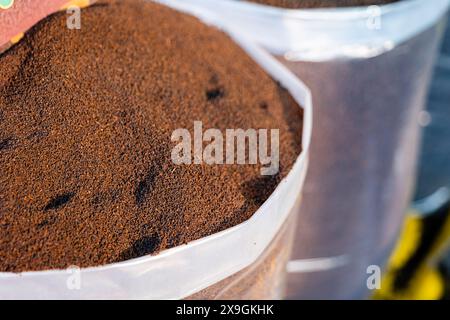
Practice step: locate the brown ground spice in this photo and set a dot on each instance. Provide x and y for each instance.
(297, 4)
(86, 118)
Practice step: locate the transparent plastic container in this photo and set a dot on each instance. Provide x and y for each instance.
(245, 261)
(368, 69)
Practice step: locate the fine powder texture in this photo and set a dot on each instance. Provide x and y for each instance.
(299, 4)
(86, 118)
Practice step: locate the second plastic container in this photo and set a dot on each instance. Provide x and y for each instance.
(368, 69)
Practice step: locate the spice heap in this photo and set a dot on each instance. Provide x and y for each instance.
(86, 118)
(298, 4)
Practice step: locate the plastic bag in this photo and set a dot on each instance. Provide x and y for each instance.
(320, 34)
(368, 69)
(185, 271)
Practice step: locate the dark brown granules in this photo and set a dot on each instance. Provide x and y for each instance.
(86, 118)
(298, 4)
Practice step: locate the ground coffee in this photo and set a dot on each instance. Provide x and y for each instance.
(86, 118)
(297, 4)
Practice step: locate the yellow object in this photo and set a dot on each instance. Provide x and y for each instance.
(428, 284)
(416, 257)
(17, 38)
(76, 3)
(409, 240)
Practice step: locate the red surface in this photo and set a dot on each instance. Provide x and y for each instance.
(23, 15)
